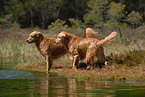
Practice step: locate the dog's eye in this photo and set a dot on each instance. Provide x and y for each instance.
(33, 36)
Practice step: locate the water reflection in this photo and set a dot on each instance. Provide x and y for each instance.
(19, 83)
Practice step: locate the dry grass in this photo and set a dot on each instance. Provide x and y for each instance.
(129, 66)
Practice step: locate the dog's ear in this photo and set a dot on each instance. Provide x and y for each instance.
(39, 34)
(68, 36)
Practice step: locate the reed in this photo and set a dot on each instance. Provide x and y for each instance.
(20, 53)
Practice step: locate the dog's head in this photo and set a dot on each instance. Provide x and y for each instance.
(34, 37)
(62, 37)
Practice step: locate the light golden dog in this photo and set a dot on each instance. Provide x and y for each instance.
(84, 48)
(48, 48)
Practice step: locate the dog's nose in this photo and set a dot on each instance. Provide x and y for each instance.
(55, 42)
(26, 40)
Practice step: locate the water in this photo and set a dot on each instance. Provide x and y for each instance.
(20, 83)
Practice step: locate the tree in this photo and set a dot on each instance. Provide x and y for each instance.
(30, 6)
(48, 9)
(15, 8)
(137, 5)
(76, 23)
(58, 26)
(134, 18)
(115, 15)
(96, 12)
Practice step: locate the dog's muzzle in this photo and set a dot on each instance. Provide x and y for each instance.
(57, 41)
(29, 41)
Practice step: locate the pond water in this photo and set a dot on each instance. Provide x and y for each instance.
(20, 83)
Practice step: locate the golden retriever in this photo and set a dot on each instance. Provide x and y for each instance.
(84, 48)
(48, 48)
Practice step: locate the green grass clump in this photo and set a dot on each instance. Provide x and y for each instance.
(20, 53)
(131, 58)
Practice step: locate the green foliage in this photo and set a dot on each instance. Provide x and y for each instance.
(141, 30)
(116, 11)
(76, 23)
(58, 26)
(124, 26)
(93, 13)
(2, 20)
(94, 17)
(109, 24)
(132, 58)
(5, 20)
(115, 15)
(16, 9)
(48, 9)
(36, 28)
(134, 18)
(114, 25)
(16, 52)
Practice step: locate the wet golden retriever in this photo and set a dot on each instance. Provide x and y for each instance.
(48, 48)
(84, 48)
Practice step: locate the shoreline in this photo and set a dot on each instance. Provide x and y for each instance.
(128, 66)
(112, 72)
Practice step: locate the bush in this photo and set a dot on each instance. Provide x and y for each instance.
(110, 25)
(132, 58)
(58, 26)
(36, 28)
(76, 23)
(141, 31)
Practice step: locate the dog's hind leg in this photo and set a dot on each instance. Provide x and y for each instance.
(90, 56)
(89, 62)
(49, 62)
(101, 56)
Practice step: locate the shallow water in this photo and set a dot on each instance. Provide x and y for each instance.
(20, 83)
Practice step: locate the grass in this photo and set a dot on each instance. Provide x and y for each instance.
(125, 56)
(121, 67)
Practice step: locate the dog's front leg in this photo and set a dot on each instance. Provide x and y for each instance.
(49, 62)
(75, 62)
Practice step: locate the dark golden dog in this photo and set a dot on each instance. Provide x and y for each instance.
(84, 48)
(47, 47)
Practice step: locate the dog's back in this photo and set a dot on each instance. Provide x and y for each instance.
(47, 46)
(56, 50)
(84, 48)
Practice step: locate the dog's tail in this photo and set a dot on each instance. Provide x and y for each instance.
(90, 32)
(107, 39)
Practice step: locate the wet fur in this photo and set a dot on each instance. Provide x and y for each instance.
(84, 48)
(47, 47)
